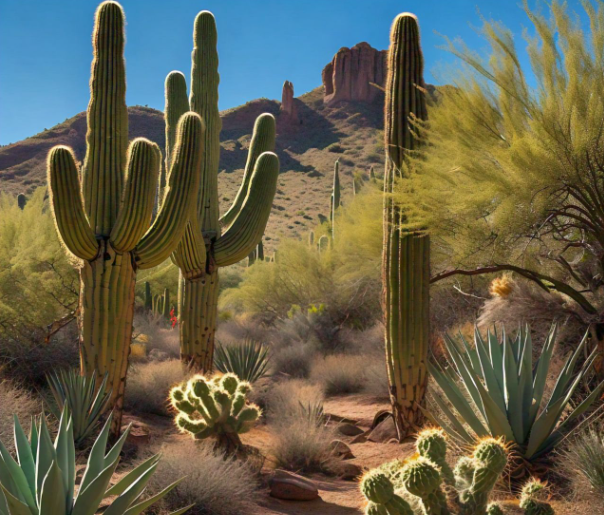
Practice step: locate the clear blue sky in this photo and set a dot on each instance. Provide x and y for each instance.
(45, 48)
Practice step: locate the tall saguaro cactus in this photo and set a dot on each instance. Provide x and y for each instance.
(334, 203)
(406, 253)
(204, 248)
(104, 221)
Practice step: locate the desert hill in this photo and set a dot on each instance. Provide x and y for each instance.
(312, 133)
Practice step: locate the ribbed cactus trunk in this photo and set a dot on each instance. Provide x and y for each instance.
(406, 253)
(205, 248)
(105, 221)
(106, 313)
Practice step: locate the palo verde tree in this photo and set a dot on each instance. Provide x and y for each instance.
(512, 178)
(104, 220)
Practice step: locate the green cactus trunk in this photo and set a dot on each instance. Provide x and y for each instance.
(105, 221)
(406, 256)
(148, 297)
(205, 248)
(106, 313)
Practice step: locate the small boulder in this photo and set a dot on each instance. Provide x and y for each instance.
(292, 487)
(347, 429)
(384, 431)
(346, 470)
(341, 450)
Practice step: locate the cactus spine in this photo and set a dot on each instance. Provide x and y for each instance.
(105, 222)
(204, 249)
(406, 255)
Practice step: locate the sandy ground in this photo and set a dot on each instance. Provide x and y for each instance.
(339, 497)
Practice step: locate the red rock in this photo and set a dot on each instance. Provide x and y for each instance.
(288, 105)
(292, 487)
(351, 71)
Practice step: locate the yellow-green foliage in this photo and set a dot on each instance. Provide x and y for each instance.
(344, 277)
(514, 162)
(38, 285)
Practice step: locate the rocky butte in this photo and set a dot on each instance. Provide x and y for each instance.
(350, 74)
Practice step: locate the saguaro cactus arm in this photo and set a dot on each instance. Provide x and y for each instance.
(67, 206)
(263, 140)
(139, 195)
(181, 191)
(248, 226)
(107, 136)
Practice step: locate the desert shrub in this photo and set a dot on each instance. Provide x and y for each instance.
(217, 486)
(335, 148)
(239, 328)
(339, 374)
(15, 401)
(285, 399)
(302, 443)
(28, 361)
(345, 278)
(149, 385)
(293, 360)
(376, 378)
(162, 341)
(38, 285)
(584, 459)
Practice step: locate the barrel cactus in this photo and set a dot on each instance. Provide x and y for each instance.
(204, 248)
(105, 221)
(406, 254)
(215, 408)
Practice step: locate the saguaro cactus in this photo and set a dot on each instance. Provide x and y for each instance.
(406, 254)
(204, 249)
(335, 196)
(105, 221)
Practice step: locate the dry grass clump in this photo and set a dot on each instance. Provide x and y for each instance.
(15, 401)
(301, 437)
(217, 486)
(339, 374)
(286, 399)
(584, 461)
(293, 360)
(149, 384)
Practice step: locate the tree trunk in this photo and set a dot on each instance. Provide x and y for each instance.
(107, 309)
(197, 319)
(597, 334)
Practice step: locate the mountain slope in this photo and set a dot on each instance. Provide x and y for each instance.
(308, 148)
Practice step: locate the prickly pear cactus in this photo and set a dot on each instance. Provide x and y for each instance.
(215, 408)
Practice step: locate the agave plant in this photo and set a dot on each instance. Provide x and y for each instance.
(42, 480)
(504, 391)
(86, 402)
(249, 361)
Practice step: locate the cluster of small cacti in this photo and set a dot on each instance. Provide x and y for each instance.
(158, 304)
(215, 408)
(256, 255)
(420, 485)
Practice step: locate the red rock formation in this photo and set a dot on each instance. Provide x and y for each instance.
(349, 74)
(288, 105)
